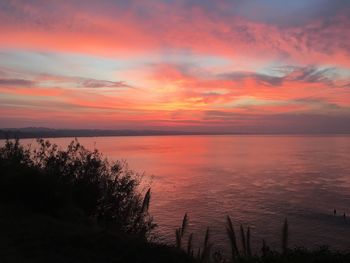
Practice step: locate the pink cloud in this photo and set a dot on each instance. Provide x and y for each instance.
(171, 26)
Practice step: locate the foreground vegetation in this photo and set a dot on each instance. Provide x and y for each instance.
(241, 251)
(73, 205)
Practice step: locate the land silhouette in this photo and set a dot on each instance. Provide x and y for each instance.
(73, 205)
(41, 132)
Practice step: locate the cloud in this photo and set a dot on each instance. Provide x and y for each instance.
(280, 75)
(93, 83)
(16, 83)
(281, 123)
(222, 29)
(49, 80)
(288, 14)
(311, 74)
(263, 79)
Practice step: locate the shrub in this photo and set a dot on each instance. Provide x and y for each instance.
(50, 180)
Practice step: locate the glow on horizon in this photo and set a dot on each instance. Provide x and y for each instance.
(232, 66)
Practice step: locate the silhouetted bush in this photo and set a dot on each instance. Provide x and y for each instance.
(75, 180)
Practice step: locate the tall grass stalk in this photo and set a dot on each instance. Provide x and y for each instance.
(198, 254)
(179, 233)
(244, 247)
(205, 257)
(232, 237)
(146, 201)
(285, 237)
(189, 245)
(249, 251)
(184, 224)
(264, 248)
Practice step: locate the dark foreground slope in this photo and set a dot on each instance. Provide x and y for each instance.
(33, 237)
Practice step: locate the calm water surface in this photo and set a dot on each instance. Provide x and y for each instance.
(257, 180)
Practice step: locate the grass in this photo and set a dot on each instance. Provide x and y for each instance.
(206, 253)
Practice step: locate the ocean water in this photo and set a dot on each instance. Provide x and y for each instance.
(257, 180)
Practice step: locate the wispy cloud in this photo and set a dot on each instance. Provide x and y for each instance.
(16, 82)
(225, 29)
(93, 83)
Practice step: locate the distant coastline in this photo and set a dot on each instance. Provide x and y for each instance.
(23, 133)
(39, 132)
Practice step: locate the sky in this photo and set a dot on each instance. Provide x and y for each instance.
(252, 66)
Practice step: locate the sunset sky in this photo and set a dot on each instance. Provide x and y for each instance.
(217, 66)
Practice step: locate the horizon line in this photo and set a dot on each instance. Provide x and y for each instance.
(45, 132)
